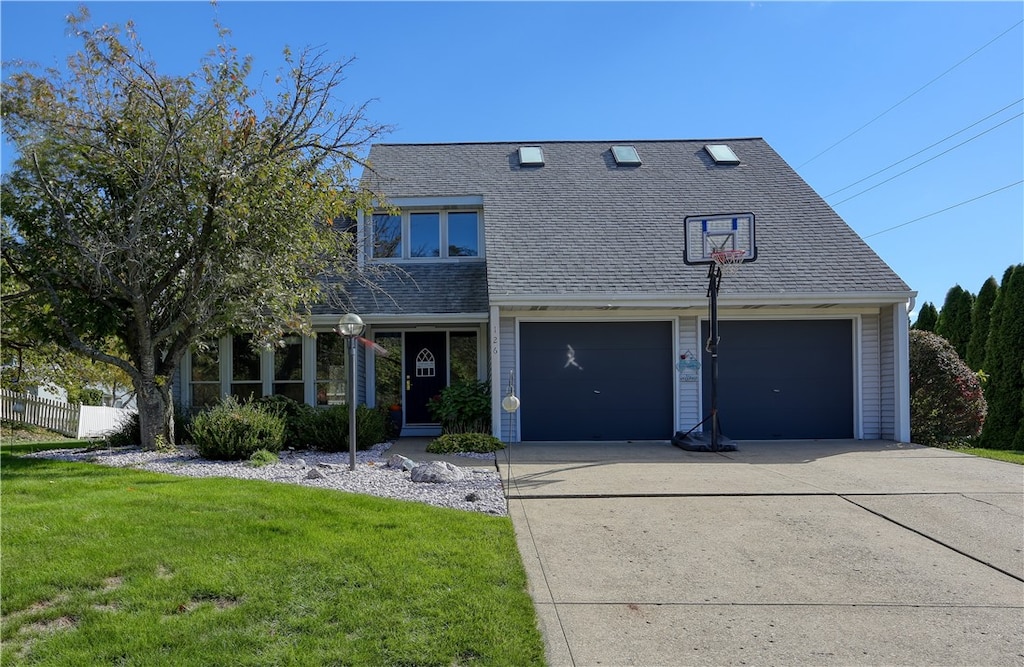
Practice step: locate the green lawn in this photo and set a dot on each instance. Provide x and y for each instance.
(1009, 455)
(113, 566)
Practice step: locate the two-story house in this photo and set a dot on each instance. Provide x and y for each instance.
(558, 267)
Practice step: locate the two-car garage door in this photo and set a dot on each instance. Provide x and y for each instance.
(615, 380)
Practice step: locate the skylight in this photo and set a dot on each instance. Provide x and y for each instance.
(721, 154)
(531, 156)
(626, 156)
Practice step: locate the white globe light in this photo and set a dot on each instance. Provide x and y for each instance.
(350, 325)
(510, 403)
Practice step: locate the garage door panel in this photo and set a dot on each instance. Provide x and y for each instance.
(783, 379)
(614, 384)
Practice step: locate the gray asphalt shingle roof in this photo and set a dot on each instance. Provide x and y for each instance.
(580, 225)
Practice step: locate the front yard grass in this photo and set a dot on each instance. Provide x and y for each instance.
(1009, 455)
(114, 566)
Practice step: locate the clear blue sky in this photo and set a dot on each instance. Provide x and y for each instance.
(802, 75)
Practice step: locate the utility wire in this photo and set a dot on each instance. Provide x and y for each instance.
(976, 52)
(948, 208)
(905, 171)
(947, 138)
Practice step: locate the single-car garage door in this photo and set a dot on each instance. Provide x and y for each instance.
(596, 380)
(783, 379)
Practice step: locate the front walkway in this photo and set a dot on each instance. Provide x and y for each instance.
(842, 552)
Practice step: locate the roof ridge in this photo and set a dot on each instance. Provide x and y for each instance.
(564, 141)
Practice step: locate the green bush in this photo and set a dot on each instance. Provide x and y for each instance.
(295, 415)
(128, 433)
(463, 407)
(233, 432)
(262, 457)
(946, 401)
(454, 443)
(327, 429)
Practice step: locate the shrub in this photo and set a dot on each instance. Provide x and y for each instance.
(453, 443)
(128, 433)
(946, 400)
(327, 429)
(463, 407)
(234, 432)
(295, 415)
(262, 457)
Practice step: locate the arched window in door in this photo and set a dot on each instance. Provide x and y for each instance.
(426, 366)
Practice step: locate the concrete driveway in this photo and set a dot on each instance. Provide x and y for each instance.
(783, 553)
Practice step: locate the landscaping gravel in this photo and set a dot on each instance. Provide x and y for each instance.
(372, 475)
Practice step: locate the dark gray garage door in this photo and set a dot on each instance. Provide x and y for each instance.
(783, 380)
(596, 380)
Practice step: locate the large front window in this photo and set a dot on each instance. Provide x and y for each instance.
(205, 380)
(246, 379)
(427, 235)
(288, 368)
(331, 380)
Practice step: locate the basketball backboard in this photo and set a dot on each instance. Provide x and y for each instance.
(727, 232)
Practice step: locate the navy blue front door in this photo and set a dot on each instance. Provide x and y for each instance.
(596, 380)
(426, 373)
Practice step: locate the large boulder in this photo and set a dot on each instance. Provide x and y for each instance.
(437, 472)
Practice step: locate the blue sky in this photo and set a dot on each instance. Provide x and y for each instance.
(899, 77)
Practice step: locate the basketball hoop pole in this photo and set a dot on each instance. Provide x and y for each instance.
(714, 281)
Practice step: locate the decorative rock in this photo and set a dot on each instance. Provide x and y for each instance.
(472, 497)
(300, 462)
(314, 473)
(399, 461)
(436, 472)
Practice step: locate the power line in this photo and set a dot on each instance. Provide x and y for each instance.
(948, 208)
(976, 52)
(906, 171)
(926, 148)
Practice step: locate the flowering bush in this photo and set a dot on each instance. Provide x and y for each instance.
(947, 404)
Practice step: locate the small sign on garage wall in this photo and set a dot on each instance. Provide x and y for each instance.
(688, 367)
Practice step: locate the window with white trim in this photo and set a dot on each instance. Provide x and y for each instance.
(427, 234)
(205, 373)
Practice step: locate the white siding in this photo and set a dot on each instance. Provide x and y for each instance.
(887, 372)
(870, 379)
(689, 414)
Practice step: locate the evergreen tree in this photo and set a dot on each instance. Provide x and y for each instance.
(981, 318)
(927, 317)
(954, 323)
(1004, 363)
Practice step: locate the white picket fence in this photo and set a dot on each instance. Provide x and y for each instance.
(74, 421)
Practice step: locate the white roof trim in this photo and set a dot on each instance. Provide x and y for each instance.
(433, 202)
(695, 299)
(330, 321)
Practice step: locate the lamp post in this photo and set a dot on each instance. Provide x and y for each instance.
(351, 326)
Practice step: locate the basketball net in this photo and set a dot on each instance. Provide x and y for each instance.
(728, 261)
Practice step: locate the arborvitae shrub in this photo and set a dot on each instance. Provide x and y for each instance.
(927, 317)
(947, 405)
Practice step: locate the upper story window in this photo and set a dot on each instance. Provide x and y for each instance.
(427, 235)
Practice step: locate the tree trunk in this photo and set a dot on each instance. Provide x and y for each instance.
(156, 412)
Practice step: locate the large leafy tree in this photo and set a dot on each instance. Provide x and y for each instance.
(1004, 363)
(159, 209)
(981, 317)
(954, 323)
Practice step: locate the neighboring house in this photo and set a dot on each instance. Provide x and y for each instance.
(561, 267)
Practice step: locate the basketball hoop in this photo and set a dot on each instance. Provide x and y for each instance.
(728, 261)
